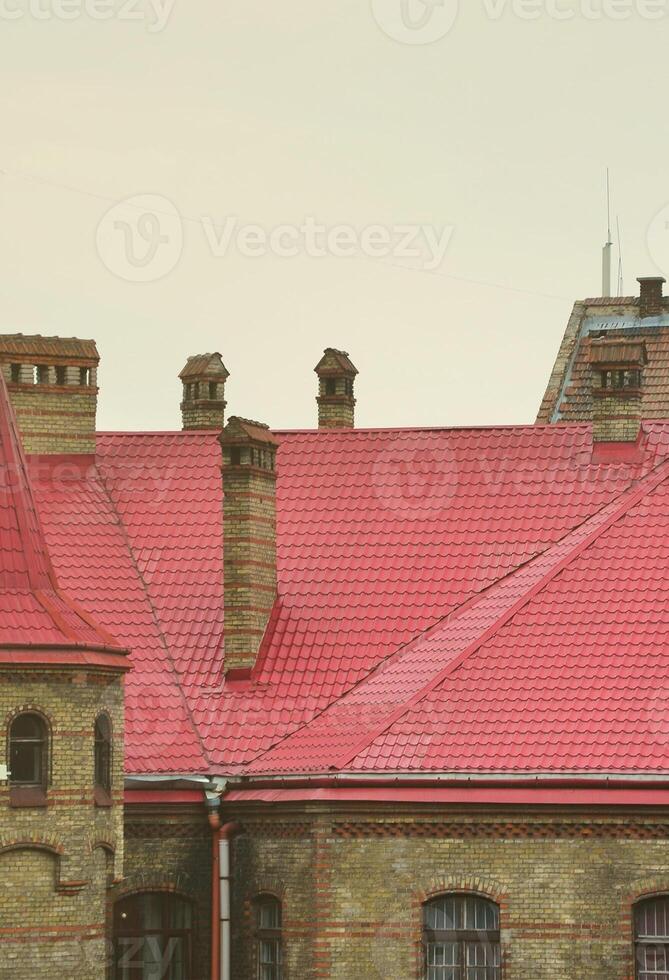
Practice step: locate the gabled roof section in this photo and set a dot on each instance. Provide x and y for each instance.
(446, 703)
(33, 612)
(203, 366)
(568, 396)
(383, 538)
(36, 345)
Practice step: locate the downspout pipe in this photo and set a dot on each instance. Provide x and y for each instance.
(220, 897)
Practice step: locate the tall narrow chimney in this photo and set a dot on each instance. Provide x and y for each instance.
(617, 376)
(336, 401)
(203, 403)
(249, 530)
(651, 295)
(52, 384)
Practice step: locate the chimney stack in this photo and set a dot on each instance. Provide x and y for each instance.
(203, 404)
(52, 384)
(652, 300)
(336, 402)
(617, 371)
(249, 530)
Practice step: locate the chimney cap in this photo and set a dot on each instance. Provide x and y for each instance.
(59, 348)
(203, 366)
(617, 352)
(239, 430)
(644, 279)
(335, 361)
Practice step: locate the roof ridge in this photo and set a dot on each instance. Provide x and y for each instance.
(156, 619)
(630, 497)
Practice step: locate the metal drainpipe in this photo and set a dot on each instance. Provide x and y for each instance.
(224, 836)
(215, 824)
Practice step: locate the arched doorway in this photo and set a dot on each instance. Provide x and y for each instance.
(153, 937)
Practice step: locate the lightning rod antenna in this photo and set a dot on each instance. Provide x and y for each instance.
(608, 247)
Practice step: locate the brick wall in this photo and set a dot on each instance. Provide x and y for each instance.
(352, 888)
(169, 849)
(58, 421)
(57, 861)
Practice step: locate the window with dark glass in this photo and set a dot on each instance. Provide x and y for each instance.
(651, 937)
(268, 937)
(153, 937)
(28, 741)
(461, 938)
(103, 753)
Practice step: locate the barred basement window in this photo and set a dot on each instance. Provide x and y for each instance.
(28, 752)
(651, 936)
(268, 937)
(103, 753)
(461, 938)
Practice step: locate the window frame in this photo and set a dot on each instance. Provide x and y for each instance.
(103, 785)
(650, 941)
(166, 931)
(270, 935)
(33, 792)
(460, 937)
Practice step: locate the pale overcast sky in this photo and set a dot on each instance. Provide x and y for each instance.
(318, 120)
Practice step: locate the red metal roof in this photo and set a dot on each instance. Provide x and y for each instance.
(455, 599)
(33, 612)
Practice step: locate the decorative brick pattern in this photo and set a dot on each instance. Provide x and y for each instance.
(336, 402)
(170, 850)
(52, 384)
(352, 905)
(203, 379)
(56, 861)
(249, 550)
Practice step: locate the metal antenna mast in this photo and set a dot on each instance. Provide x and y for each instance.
(608, 247)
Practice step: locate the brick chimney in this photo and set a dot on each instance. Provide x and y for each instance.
(249, 529)
(651, 295)
(52, 383)
(617, 376)
(336, 377)
(203, 404)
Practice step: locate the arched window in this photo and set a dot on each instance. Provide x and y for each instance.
(103, 753)
(461, 938)
(651, 937)
(28, 752)
(153, 937)
(268, 937)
